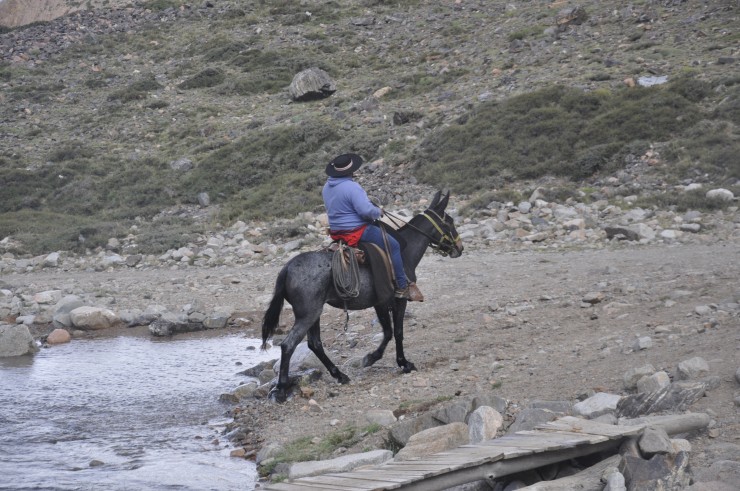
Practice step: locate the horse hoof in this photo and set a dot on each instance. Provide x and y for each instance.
(368, 361)
(409, 367)
(343, 379)
(278, 396)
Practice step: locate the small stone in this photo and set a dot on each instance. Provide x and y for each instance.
(593, 297)
(653, 382)
(692, 369)
(596, 405)
(655, 441)
(643, 343)
(713, 433)
(633, 375)
(703, 310)
(238, 452)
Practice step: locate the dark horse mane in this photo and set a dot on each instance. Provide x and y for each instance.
(306, 283)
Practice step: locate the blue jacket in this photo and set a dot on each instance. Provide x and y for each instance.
(347, 204)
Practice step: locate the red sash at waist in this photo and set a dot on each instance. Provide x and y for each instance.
(351, 237)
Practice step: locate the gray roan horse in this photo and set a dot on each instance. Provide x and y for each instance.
(306, 282)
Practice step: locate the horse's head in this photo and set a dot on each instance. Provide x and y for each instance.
(445, 239)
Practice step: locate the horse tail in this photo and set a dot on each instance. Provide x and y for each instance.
(272, 315)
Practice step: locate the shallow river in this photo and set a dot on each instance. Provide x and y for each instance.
(125, 413)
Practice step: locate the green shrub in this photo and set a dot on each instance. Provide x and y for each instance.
(554, 131)
(209, 77)
(137, 90)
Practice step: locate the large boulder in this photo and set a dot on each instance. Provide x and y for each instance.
(435, 440)
(310, 84)
(93, 318)
(16, 341)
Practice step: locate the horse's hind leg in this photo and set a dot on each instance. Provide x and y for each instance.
(385, 321)
(314, 343)
(399, 311)
(281, 391)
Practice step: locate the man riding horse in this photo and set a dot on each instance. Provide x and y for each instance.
(352, 216)
(307, 282)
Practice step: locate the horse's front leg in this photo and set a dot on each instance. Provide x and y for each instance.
(314, 343)
(385, 320)
(399, 311)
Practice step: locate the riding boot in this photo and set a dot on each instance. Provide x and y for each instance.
(414, 294)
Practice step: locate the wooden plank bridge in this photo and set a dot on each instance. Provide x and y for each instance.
(549, 443)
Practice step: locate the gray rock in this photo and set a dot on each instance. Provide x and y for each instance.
(596, 405)
(694, 228)
(643, 343)
(660, 473)
(93, 318)
(16, 341)
(633, 375)
(245, 391)
(218, 319)
(496, 402)
(644, 231)
(61, 317)
(529, 418)
(382, 417)
(614, 480)
(654, 382)
(204, 199)
(345, 463)
(593, 297)
(621, 233)
(51, 261)
(434, 440)
(655, 440)
(483, 424)
(692, 368)
(737, 375)
(267, 452)
(676, 397)
(720, 194)
(266, 375)
(312, 83)
(400, 433)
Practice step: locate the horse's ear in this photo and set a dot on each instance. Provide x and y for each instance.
(443, 202)
(435, 200)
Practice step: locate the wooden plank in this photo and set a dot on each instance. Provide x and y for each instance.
(590, 437)
(578, 425)
(347, 481)
(426, 470)
(309, 483)
(286, 486)
(374, 475)
(552, 440)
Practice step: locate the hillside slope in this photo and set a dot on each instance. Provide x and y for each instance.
(115, 115)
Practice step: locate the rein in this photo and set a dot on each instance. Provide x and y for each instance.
(443, 245)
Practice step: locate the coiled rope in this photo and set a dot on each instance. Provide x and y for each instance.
(346, 275)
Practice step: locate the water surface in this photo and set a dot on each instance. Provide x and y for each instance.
(124, 413)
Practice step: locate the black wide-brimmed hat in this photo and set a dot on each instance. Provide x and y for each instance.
(344, 165)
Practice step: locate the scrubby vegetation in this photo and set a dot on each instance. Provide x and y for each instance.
(476, 100)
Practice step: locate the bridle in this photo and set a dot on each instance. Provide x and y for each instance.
(446, 243)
